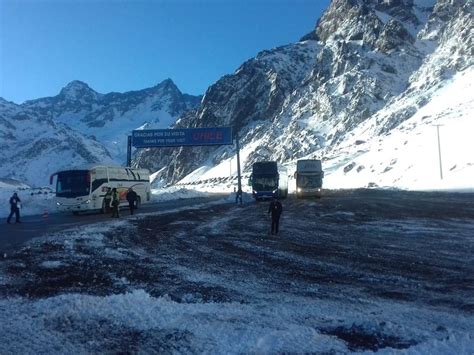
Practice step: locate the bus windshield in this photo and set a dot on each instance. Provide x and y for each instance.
(265, 183)
(309, 181)
(73, 183)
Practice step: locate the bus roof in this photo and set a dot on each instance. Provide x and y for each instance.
(96, 166)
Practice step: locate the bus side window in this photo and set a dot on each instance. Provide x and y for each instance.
(97, 183)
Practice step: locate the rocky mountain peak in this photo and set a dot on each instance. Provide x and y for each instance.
(381, 24)
(368, 67)
(348, 20)
(312, 97)
(5, 102)
(167, 87)
(168, 83)
(108, 118)
(76, 90)
(443, 11)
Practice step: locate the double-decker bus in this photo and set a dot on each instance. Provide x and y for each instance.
(268, 179)
(83, 189)
(309, 178)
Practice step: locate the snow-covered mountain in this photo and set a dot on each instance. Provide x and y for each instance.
(111, 117)
(33, 145)
(80, 126)
(368, 71)
(362, 91)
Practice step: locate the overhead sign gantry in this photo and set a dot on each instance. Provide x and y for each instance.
(178, 137)
(182, 137)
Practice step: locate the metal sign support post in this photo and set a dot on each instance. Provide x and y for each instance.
(439, 153)
(239, 177)
(129, 151)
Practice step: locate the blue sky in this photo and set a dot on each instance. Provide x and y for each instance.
(123, 45)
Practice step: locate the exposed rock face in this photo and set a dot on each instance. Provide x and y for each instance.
(368, 66)
(81, 126)
(307, 98)
(111, 117)
(352, 20)
(450, 31)
(33, 146)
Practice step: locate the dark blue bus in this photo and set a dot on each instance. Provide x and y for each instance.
(268, 180)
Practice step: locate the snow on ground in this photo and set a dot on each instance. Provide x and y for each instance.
(174, 193)
(407, 157)
(37, 201)
(182, 283)
(34, 201)
(256, 328)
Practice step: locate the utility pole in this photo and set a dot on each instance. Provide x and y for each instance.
(439, 153)
(129, 151)
(239, 178)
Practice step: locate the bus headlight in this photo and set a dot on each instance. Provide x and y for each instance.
(58, 203)
(298, 189)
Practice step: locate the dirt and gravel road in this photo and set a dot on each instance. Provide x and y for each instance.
(415, 247)
(402, 249)
(12, 236)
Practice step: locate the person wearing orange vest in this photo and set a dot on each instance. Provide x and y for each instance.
(115, 203)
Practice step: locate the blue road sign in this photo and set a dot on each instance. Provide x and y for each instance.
(181, 136)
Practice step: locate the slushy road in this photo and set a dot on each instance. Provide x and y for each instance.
(12, 236)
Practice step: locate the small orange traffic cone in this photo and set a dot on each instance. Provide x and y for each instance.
(45, 214)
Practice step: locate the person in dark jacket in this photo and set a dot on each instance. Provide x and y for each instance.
(275, 209)
(15, 204)
(132, 199)
(107, 200)
(115, 203)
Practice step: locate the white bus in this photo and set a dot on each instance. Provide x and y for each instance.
(84, 188)
(309, 178)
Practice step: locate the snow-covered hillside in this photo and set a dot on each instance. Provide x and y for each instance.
(363, 92)
(33, 145)
(80, 126)
(405, 157)
(408, 155)
(110, 118)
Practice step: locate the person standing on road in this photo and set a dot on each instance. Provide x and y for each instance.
(107, 200)
(132, 199)
(115, 203)
(275, 209)
(15, 205)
